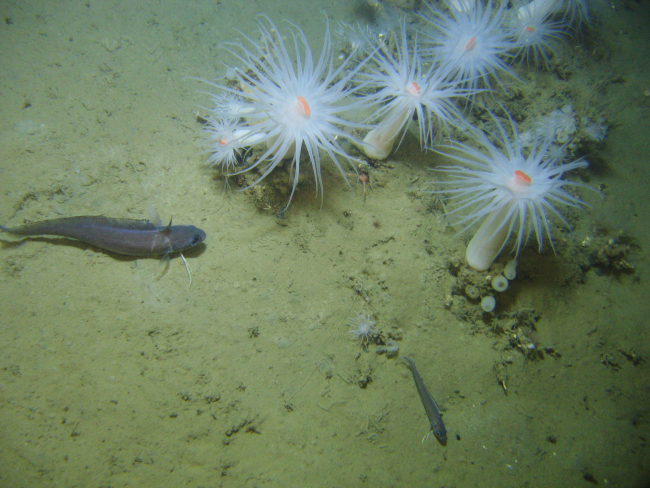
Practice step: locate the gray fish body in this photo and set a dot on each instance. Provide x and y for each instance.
(122, 236)
(430, 405)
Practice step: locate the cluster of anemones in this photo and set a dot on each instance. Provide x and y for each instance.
(285, 102)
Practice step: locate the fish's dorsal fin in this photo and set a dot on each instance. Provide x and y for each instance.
(154, 218)
(166, 229)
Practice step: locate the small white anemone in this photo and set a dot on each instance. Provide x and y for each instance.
(534, 28)
(362, 327)
(474, 41)
(505, 189)
(226, 137)
(355, 37)
(404, 89)
(558, 126)
(594, 130)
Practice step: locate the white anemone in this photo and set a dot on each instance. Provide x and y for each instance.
(507, 191)
(404, 88)
(291, 101)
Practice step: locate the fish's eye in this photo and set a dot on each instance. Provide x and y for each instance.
(196, 239)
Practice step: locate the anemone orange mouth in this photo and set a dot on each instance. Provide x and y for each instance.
(522, 178)
(413, 88)
(470, 44)
(303, 106)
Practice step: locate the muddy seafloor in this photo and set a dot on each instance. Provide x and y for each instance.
(111, 375)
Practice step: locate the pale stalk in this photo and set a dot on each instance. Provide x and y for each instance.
(490, 238)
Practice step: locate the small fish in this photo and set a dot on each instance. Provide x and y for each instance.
(140, 238)
(430, 406)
